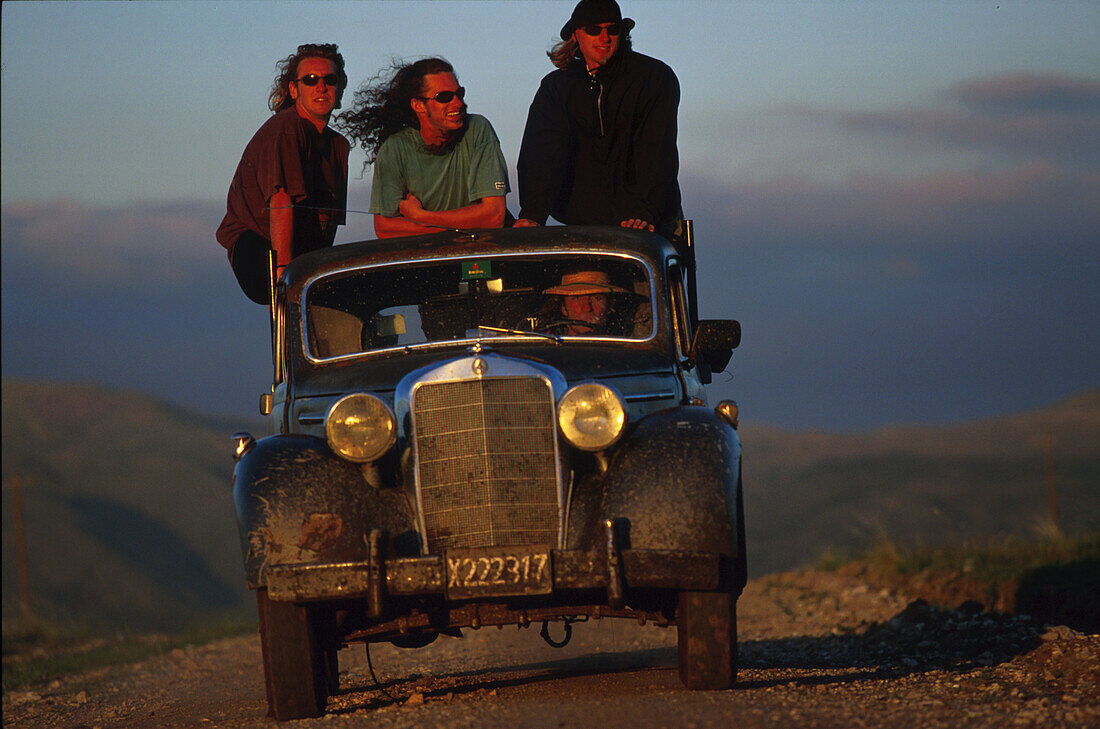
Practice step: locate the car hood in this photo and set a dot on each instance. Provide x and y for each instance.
(576, 362)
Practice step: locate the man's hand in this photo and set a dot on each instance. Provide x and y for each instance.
(410, 208)
(637, 223)
(413, 219)
(525, 223)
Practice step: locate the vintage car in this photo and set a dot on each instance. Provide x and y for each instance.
(493, 427)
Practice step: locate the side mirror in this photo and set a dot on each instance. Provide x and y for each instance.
(714, 342)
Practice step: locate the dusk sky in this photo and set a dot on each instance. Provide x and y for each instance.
(900, 201)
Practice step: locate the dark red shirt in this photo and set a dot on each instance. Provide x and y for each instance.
(289, 153)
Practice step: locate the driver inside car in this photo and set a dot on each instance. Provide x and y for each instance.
(586, 299)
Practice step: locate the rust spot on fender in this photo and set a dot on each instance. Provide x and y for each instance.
(320, 531)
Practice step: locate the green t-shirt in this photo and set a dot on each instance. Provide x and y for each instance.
(474, 169)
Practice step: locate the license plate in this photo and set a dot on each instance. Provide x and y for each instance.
(497, 571)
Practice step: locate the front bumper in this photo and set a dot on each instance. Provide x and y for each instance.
(376, 579)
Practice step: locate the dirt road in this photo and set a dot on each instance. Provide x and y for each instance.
(817, 650)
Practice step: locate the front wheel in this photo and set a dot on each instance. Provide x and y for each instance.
(295, 664)
(706, 638)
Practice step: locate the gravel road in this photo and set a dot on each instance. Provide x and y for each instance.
(817, 650)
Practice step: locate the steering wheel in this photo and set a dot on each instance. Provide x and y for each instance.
(559, 326)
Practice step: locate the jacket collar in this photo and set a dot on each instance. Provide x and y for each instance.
(607, 70)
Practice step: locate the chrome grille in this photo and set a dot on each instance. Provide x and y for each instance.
(487, 462)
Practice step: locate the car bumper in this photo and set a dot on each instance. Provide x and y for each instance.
(375, 580)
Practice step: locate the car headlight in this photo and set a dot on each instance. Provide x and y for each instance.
(591, 416)
(360, 427)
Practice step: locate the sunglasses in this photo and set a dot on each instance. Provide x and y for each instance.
(312, 79)
(444, 97)
(611, 28)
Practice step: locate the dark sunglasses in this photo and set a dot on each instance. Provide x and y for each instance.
(444, 97)
(611, 28)
(311, 79)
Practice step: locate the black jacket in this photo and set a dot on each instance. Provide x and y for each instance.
(600, 150)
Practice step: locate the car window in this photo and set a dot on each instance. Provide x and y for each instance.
(571, 296)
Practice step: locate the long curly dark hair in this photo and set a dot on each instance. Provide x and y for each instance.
(280, 97)
(381, 106)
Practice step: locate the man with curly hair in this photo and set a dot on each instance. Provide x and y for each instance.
(289, 192)
(435, 166)
(600, 143)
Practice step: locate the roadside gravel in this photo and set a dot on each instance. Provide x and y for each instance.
(817, 650)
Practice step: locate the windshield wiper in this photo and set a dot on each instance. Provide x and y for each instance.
(543, 335)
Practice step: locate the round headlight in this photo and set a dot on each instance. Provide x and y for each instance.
(360, 427)
(591, 416)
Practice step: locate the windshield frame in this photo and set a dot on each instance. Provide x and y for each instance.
(650, 270)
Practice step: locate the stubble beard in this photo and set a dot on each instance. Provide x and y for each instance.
(451, 138)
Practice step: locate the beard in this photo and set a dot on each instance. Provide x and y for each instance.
(450, 140)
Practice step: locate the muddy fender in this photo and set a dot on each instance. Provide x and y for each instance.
(297, 502)
(674, 483)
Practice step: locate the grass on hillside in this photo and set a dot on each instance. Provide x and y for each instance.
(1051, 577)
(990, 561)
(36, 653)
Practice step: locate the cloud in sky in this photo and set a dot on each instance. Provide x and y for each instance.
(1016, 94)
(913, 259)
(990, 162)
(974, 127)
(135, 245)
(880, 294)
(1004, 200)
(135, 296)
(986, 209)
(1021, 115)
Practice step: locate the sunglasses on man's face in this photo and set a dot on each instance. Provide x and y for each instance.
(611, 28)
(311, 79)
(444, 97)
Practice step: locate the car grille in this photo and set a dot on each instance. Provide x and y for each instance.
(487, 462)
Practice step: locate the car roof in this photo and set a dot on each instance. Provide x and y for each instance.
(466, 244)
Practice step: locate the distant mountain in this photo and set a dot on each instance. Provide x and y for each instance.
(129, 512)
(128, 508)
(808, 493)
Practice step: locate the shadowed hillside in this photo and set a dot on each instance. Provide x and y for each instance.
(128, 508)
(130, 525)
(806, 493)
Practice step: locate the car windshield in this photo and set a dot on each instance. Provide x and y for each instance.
(401, 305)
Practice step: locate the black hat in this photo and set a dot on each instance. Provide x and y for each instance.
(591, 12)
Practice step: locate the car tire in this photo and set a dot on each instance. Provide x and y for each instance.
(295, 665)
(706, 638)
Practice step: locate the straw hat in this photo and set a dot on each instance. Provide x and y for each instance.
(582, 283)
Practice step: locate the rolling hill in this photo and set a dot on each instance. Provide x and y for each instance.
(129, 512)
(806, 493)
(128, 508)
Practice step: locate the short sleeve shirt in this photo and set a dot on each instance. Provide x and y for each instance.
(289, 153)
(472, 170)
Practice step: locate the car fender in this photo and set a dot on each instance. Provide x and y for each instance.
(674, 483)
(298, 502)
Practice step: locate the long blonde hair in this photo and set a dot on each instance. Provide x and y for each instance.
(564, 52)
